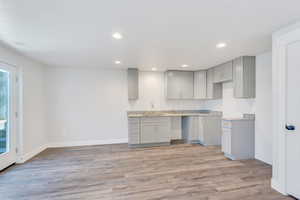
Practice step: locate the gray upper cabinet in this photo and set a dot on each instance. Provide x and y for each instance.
(213, 90)
(200, 84)
(133, 84)
(179, 84)
(223, 72)
(244, 77)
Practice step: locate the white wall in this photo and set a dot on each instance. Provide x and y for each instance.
(151, 92)
(261, 106)
(86, 106)
(34, 128)
(90, 106)
(263, 122)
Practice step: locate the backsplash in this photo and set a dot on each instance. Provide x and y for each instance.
(152, 96)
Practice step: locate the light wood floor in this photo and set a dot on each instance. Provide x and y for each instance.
(115, 172)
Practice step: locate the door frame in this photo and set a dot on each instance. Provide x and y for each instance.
(281, 39)
(18, 109)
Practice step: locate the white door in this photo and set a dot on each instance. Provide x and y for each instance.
(293, 118)
(7, 116)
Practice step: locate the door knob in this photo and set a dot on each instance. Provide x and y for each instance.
(290, 127)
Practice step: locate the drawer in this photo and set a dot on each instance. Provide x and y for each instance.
(155, 119)
(226, 124)
(226, 131)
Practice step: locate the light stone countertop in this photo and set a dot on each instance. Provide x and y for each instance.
(177, 113)
(244, 117)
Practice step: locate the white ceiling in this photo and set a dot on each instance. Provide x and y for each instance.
(157, 33)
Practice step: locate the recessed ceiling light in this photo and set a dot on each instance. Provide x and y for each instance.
(117, 36)
(184, 65)
(153, 69)
(221, 45)
(117, 62)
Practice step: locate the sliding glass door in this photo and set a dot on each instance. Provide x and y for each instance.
(7, 116)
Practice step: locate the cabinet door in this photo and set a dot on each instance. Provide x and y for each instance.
(201, 121)
(217, 77)
(133, 130)
(200, 84)
(193, 128)
(223, 72)
(180, 84)
(209, 86)
(149, 133)
(226, 141)
(173, 84)
(244, 77)
(227, 71)
(176, 128)
(214, 90)
(238, 78)
(223, 143)
(186, 85)
(155, 130)
(133, 84)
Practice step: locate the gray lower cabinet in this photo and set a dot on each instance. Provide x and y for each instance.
(179, 84)
(204, 130)
(238, 139)
(200, 84)
(223, 72)
(213, 90)
(149, 130)
(176, 128)
(244, 77)
(133, 83)
(134, 131)
(155, 130)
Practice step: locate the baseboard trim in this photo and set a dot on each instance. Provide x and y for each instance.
(276, 186)
(28, 156)
(87, 143)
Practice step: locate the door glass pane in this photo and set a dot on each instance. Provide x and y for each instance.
(4, 111)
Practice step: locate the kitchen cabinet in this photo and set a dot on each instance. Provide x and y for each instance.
(155, 130)
(176, 128)
(205, 130)
(134, 131)
(223, 72)
(191, 130)
(133, 83)
(179, 84)
(238, 138)
(244, 77)
(200, 84)
(213, 90)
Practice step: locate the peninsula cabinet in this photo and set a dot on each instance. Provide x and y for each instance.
(213, 90)
(179, 84)
(133, 83)
(244, 77)
(238, 139)
(223, 72)
(200, 84)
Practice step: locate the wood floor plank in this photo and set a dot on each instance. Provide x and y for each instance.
(116, 172)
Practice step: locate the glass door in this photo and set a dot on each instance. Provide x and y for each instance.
(8, 153)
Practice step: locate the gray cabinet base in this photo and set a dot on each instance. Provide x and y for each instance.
(229, 156)
(149, 145)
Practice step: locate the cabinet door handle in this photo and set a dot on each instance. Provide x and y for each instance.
(290, 127)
